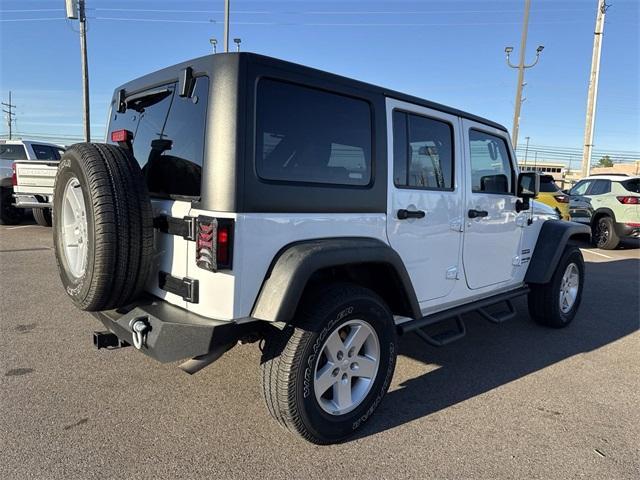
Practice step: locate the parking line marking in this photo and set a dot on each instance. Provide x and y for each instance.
(596, 253)
(21, 226)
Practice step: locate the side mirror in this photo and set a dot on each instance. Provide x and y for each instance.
(528, 185)
(528, 188)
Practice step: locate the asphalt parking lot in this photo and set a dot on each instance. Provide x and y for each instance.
(508, 401)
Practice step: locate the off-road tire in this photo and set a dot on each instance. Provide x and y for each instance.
(289, 361)
(42, 216)
(9, 214)
(119, 226)
(604, 234)
(544, 299)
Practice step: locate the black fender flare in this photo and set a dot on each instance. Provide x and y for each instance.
(603, 211)
(552, 240)
(294, 265)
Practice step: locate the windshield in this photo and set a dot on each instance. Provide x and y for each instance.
(12, 152)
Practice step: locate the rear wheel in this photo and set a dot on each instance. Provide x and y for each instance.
(9, 214)
(42, 216)
(604, 234)
(325, 376)
(556, 303)
(103, 233)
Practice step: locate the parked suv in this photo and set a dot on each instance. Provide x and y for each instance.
(610, 205)
(243, 198)
(551, 194)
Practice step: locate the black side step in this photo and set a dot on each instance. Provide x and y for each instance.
(444, 338)
(417, 326)
(499, 317)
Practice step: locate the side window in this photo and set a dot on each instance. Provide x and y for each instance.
(311, 136)
(12, 152)
(168, 137)
(600, 187)
(491, 170)
(580, 188)
(423, 152)
(45, 152)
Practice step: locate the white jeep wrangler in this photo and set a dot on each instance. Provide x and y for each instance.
(243, 198)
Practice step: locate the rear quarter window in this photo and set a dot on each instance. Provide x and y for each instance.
(632, 186)
(548, 185)
(46, 152)
(306, 135)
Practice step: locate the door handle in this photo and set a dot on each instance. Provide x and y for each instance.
(403, 214)
(477, 213)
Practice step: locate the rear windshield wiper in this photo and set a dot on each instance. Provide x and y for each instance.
(142, 100)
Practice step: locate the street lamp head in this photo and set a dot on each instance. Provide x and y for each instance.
(213, 41)
(539, 49)
(508, 50)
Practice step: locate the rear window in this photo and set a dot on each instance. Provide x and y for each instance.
(46, 152)
(547, 184)
(311, 136)
(12, 152)
(632, 186)
(168, 137)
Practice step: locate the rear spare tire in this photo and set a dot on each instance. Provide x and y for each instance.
(103, 233)
(42, 216)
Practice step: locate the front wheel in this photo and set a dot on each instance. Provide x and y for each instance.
(324, 377)
(556, 303)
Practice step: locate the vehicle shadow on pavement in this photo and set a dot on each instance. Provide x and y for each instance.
(494, 355)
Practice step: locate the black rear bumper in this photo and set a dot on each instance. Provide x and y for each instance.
(173, 333)
(629, 231)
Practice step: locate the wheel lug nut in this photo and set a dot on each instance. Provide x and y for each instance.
(335, 372)
(354, 366)
(344, 377)
(340, 355)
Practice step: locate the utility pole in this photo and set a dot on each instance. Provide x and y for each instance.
(9, 114)
(226, 26)
(593, 89)
(521, 68)
(76, 10)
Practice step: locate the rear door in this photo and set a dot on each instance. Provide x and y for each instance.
(492, 236)
(424, 220)
(168, 143)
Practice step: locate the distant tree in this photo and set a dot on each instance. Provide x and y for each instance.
(605, 161)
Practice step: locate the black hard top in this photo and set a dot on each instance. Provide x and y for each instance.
(219, 60)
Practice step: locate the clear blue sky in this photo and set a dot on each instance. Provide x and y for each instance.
(447, 51)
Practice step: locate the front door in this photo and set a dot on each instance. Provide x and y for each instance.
(425, 201)
(492, 236)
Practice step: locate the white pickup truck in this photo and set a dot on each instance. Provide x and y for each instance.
(27, 174)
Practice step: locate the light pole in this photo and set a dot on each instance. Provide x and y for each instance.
(214, 44)
(226, 26)
(521, 68)
(593, 88)
(76, 9)
(237, 41)
(526, 150)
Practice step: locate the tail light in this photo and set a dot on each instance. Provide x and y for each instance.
(629, 200)
(123, 135)
(561, 198)
(214, 243)
(14, 175)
